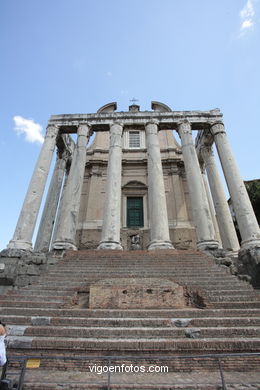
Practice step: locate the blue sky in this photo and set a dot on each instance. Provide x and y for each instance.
(73, 56)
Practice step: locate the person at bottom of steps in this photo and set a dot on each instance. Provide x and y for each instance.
(3, 359)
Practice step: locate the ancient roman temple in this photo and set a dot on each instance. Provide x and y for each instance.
(142, 182)
(136, 259)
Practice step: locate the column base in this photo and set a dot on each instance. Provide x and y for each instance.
(249, 244)
(114, 245)
(19, 244)
(158, 244)
(63, 245)
(207, 245)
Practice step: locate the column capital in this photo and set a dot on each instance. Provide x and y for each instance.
(206, 150)
(116, 128)
(52, 131)
(83, 130)
(184, 127)
(152, 122)
(217, 128)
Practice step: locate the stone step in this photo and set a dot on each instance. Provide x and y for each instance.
(240, 292)
(234, 298)
(207, 286)
(132, 322)
(123, 346)
(30, 303)
(48, 380)
(33, 298)
(117, 333)
(181, 280)
(233, 304)
(88, 275)
(39, 292)
(132, 313)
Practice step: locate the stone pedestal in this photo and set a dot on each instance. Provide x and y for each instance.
(66, 232)
(225, 222)
(137, 293)
(244, 212)
(22, 238)
(199, 204)
(110, 238)
(159, 227)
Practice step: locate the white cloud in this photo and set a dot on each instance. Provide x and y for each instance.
(31, 129)
(247, 16)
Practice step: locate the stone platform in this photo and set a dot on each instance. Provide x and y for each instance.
(52, 317)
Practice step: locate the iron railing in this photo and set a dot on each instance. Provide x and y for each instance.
(217, 358)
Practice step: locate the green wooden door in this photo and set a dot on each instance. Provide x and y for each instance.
(135, 214)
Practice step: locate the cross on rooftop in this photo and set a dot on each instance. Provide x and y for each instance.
(133, 100)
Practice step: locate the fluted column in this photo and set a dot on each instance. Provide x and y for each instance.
(43, 239)
(66, 231)
(110, 238)
(159, 227)
(244, 212)
(226, 226)
(199, 204)
(22, 238)
(211, 206)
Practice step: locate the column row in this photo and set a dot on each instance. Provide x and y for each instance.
(64, 234)
(159, 229)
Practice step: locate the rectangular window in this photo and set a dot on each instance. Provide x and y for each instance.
(134, 139)
(135, 214)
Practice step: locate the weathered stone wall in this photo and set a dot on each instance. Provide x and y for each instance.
(22, 268)
(134, 183)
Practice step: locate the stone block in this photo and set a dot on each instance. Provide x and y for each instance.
(248, 263)
(135, 293)
(40, 321)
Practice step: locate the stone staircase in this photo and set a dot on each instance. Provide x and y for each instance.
(52, 318)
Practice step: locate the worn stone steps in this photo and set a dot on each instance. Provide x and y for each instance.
(122, 346)
(129, 332)
(29, 303)
(33, 297)
(131, 313)
(131, 322)
(46, 319)
(142, 381)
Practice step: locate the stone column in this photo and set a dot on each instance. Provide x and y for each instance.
(66, 231)
(226, 226)
(159, 227)
(244, 212)
(110, 238)
(199, 204)
(22, 238)
(42, 243)
(211, 206)
(60, 207)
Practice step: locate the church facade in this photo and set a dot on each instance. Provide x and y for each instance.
(140, 183)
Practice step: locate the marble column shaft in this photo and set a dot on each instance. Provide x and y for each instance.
(110, 238)
(244, 212)
(60, 207)
(211, 206)
(43, 239)
(226, 226)
(66, 231)
(159, 226)
(199, 203)
(22, 238)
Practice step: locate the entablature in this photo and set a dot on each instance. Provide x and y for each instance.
(200, 120)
